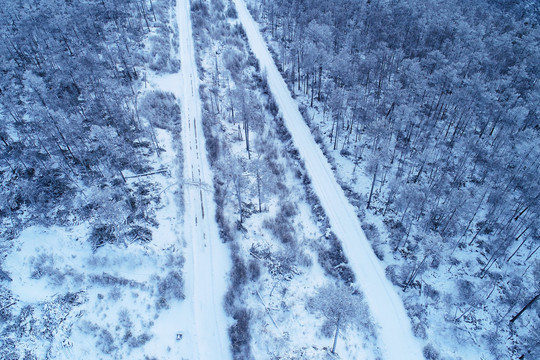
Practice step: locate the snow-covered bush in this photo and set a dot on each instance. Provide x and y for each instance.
(240, 334)
(374, 237)
(233, 60)
(171, 287)
(161, 109)
(138, 341)
(281, 226)
(254, 270)
(160, 52)
(271, 105)
(393, 273)
(430, 353)
(139, 234)
(231, 11)
(333, 260)
(105, 342)
(102, 234)
(6, 300)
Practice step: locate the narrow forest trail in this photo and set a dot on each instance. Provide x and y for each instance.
(396, 340)
(207, 258)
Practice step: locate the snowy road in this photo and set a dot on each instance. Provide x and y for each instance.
(396, 340)
(207, 258)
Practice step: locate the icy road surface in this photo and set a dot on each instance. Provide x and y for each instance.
(396, 340)
(207, 258)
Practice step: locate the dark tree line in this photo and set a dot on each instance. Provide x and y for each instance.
(438, 103)
(70, 127)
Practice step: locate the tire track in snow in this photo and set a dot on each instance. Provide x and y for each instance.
(207, 258)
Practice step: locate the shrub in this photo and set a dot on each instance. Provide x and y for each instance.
(169, 288)
(281, 228)
(8, 348)
(233, 60)
(430, 353)
(281, 130)
(397, 233)
(161, 108)
(231, 12)
(419, 330)
(105, 342)
(254, 270)
(160, 53)
(334, 261)
(239, 334)
(115, 294)
(229, 301)
(288, 210)
(109, 280)
(41, 265)
(303, 259)
(6, 298)
(238, 273)
(374, 237)
(124, 319)
(394, 275)
(466, 290)
(200, 6)
(50, 188)
(102, 234)
(252, 61)
(238, 30)
(271, 104)
(138, 341)
(431, 292)
(139, 234)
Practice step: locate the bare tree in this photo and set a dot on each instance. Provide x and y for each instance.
(341, 305)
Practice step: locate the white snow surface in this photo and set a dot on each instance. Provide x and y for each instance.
(207, 258)
(396, 340)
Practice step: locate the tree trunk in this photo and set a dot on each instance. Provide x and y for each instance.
(259, 188)
(246, 129)
(298, 72)
(337, 131)
(532, 253)
(525, 308)
(231, 100)
(238, 189)
(372, 186)
(473, 216)
(332, 130)
(319, 84)
(312, 89)
(336, 335)
(520, 245)
(414, 273)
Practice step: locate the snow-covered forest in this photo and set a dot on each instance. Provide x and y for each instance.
(91, 265)
(113, 245)
(429, 113)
